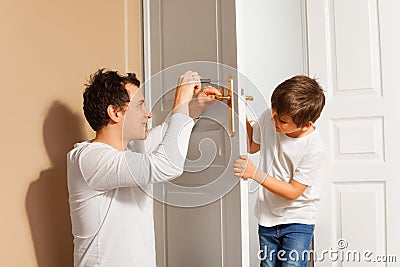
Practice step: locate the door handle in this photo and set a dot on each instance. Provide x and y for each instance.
(229, 102)
(221, 98)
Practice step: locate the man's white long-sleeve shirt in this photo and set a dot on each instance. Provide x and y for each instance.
(111, 213)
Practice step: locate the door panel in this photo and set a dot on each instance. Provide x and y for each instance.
(197, 216)
(352, 53)
(192, 238)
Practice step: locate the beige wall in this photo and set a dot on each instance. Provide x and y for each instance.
(47, 50)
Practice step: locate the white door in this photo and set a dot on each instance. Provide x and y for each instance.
(273, 49)
(354, 50)
(201, 218)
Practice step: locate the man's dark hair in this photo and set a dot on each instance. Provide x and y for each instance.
(299, 97)
(105, 88)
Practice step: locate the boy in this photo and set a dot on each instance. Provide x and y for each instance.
(112, 217)
(291, 155)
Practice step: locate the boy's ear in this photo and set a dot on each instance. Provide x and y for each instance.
(114, 113)
(306, 126)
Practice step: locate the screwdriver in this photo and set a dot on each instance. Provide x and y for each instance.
(207, 81)
(210, 81)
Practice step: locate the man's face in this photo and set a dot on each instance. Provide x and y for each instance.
(136, 116)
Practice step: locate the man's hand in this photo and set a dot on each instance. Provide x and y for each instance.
(187, 84)
(204, 98)
(244, 167)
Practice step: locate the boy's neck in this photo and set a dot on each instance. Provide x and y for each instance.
(301, 133)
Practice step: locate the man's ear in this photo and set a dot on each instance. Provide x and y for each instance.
(114, 113)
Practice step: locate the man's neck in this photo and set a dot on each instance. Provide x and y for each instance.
(110, 137)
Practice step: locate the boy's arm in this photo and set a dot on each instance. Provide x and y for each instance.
(245, 168)
(290, 191)
(252, 147)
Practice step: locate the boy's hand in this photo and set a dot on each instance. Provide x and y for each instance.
(244, 167)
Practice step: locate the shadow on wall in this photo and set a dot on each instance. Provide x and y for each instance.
(47, 198)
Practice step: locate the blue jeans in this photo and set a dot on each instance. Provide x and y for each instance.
(285, 245)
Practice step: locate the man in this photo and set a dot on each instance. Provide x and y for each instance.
(112, 217)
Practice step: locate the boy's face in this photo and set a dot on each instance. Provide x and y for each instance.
(136, 115)
(284, 124)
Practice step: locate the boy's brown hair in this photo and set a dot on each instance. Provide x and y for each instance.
(299, 97)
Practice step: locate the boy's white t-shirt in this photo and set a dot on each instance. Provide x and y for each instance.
(111, 213)
(287, 158)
